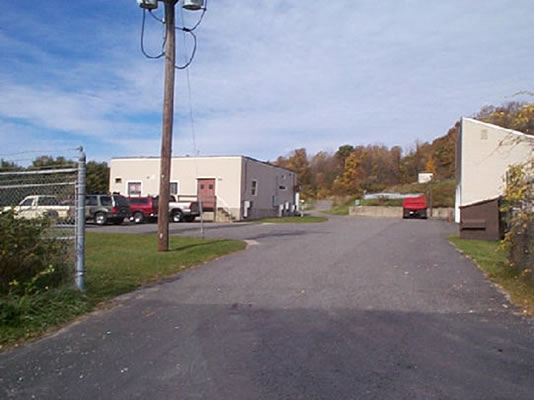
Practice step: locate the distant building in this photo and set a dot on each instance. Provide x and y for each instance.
(484, 152)
(233, 187)
(424, 177)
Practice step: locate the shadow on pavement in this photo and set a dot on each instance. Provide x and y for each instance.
(239, 351)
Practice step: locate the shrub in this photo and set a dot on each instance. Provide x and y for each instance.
(30, 258)
(517, 207)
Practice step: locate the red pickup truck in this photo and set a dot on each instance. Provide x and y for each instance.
(143, 208)
(414, 207)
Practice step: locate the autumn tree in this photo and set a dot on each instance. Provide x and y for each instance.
(349, 183)
(298, 162)
(325, 167)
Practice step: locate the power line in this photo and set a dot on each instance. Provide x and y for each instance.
(182, 28)
(193, 52)
(143, 40)
(193, 133)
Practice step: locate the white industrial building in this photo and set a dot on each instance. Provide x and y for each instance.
(231, 187)
(484, 152)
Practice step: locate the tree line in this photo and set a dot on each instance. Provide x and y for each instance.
(353, 169)
(356, 169)
(97, 173)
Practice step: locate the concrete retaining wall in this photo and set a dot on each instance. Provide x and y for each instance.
(372, 211)
(396, 212)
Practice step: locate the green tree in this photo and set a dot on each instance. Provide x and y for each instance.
(97, 177)
(6, 166)
(49, 162)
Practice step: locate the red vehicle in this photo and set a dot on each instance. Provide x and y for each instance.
(414, 207)
(143, 208)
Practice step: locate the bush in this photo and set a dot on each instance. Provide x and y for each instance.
(30, 259)
(517, 207)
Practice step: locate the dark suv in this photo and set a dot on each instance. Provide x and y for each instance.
(104, 208)
(143, 208)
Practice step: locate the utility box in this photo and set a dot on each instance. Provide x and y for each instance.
(481, 220)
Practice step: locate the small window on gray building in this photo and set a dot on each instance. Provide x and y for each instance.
(282, 187)
(254, 188)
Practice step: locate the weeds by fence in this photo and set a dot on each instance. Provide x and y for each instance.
(40, 221)
(518, 206)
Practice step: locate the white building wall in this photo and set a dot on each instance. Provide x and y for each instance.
(484, 154)
(233, 179)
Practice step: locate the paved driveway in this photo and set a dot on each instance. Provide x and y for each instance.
(355, 308)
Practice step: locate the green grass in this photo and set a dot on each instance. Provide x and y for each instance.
(115, 264)
(306, 219)
(340, 209)
(382, 202)
(494, 263)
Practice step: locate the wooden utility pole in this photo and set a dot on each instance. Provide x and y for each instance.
(166, 138)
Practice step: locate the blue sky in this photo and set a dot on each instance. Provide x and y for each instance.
(269, 76)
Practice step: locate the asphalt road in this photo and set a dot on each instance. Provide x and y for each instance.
(355, 308)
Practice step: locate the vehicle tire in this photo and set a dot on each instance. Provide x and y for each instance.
(189, 218)
(177, 216)
(138, 217)
(101, 218)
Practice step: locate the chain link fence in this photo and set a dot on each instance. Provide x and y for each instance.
(53, 193)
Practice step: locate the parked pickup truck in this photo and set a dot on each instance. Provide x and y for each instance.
(143, 208)
(180, 211)
(414, 207)
(39, 206)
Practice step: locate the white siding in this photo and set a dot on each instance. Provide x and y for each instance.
(484, 153)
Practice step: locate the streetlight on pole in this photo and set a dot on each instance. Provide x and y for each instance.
(168, 110)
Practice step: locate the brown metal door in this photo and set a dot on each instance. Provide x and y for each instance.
(206, 193)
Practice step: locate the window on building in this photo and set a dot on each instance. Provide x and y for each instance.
(118, 180)
(282, 187)
(174, 188)
(254, 188)
(134, 189)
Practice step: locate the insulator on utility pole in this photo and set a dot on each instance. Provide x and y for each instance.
(148, 4)
(193, 5)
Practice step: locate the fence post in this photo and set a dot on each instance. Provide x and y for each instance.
(80, 223)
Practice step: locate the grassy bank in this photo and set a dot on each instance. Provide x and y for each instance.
(306, 219)
(493, 262)
(115, 264)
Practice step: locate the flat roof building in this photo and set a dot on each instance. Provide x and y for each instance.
(241, 187)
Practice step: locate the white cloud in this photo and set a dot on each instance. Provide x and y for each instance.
(268, 76)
